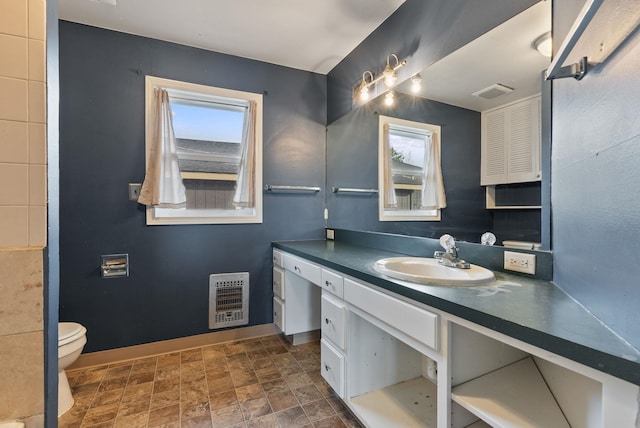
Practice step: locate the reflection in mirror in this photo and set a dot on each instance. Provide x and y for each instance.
(505, 55)
(410, 176)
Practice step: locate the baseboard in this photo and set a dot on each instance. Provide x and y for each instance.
(149, 349)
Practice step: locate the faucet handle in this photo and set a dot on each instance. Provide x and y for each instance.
(447, 242)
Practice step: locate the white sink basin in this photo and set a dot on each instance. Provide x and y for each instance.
(428, 271)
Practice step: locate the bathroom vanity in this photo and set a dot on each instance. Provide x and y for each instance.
(514, 353)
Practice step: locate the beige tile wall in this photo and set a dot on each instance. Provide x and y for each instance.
(23, 196)
(22, 124)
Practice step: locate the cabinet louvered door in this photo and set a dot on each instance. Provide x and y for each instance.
(523, 161)
(511, 143)
(494, 149)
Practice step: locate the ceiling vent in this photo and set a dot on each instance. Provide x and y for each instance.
(493, 91)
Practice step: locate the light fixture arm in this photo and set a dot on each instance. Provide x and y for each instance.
(363, 86)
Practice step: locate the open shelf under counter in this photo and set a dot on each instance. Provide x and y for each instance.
(515, 396)
(407, 404)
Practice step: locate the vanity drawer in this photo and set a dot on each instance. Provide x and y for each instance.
(278, 282)
(278, 313)
(333, 319)
(332, 367)
(277, 258)
(413, 321)
(301, 267)
(333, 283)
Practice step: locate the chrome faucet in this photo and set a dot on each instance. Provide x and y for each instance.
(449, 257)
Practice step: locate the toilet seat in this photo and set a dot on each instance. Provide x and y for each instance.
(69, 331)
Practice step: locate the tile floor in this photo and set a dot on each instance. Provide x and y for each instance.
(263, 382)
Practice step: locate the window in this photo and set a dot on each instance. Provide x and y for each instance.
(410, 177)
(218, 144)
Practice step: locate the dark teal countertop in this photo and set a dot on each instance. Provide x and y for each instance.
(533, 311)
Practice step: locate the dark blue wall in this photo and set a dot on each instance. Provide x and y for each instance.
(102, 149)
(596, 176)
(352, 161)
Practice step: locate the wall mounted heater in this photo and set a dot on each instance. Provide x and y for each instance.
(228, 299)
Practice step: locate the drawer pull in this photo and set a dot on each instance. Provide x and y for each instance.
(297, 269)
(327, 321)
(327, 367)
(328, 283)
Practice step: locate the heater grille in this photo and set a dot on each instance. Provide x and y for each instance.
(228, 299)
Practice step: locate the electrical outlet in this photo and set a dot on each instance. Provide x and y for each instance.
(134, 191)
(330, 234)
(520, 262)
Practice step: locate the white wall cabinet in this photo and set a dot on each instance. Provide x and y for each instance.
(397, 362)
(511, 143)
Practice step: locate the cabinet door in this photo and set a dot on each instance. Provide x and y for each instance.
(278, 313)
(494, 148)
(523, 161)
(510, 143)
(278, 283)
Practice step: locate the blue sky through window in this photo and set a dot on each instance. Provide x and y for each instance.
(208, 124)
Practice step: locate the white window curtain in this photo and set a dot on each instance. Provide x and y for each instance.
(245, 195)
(433, 196)
(162, 186)
(390, 200)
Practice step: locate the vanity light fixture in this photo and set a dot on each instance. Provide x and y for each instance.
(543, 44)
(389, 76)
(416, 83)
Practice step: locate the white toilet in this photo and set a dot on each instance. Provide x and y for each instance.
(71, 340)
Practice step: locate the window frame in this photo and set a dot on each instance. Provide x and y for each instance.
(386, 214)
(168, 216)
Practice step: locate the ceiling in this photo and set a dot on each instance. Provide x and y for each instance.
(505, 55)
(311, 35)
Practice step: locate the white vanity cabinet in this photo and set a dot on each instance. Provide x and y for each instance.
(397, 362)
(296, 295)
(511, 143)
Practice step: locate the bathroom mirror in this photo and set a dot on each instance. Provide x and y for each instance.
(447, 100)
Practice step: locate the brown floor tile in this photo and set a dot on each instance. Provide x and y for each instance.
(107, 397)
(203, 421)
(294, 417)
(262, 382)
(252, 409)
(172, 384)
(164, 416)
(266, 421)
(297, 380)
(307, 393)
(227, 417)
(137, 392)
(330, 422)
(137, 420)
(317, 410)
(101, 414)
(165, 399)
(280, 400)
(223, 399)
(249, 392)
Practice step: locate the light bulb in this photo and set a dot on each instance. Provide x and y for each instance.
(364, 93)
(388, 99)
(390, 76)
(416, 83)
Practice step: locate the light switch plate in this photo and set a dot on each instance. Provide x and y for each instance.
(330, 234)
(520, 262)
(134, 191)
